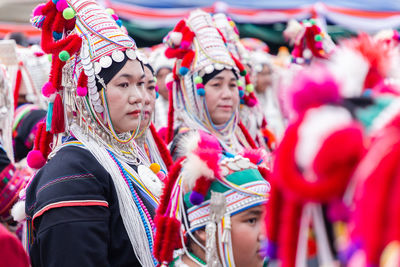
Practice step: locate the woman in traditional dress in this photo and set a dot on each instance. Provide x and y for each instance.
(93, 202)
(205, 91)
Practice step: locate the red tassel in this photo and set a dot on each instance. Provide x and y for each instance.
(162, 147)
(171, 179)
(187, 59)
(82, 80)
(170, 129)
(17, 86)
(57, 123)
(246, 134)
(202, 185)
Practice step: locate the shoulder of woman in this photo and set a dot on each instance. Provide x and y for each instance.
(72, 177)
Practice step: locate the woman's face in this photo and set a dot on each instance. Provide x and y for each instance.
(247, 237)
(149, 97)
(162, 88)
(125, 97)
(222, 96)
(264, 79)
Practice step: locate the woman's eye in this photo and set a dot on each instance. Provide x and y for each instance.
(216, 85)
(123, 85)
(252, 220)
(140, 83)
(233, 85)
(151, 88)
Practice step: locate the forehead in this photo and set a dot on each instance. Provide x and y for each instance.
(132, 68)
(225, 74)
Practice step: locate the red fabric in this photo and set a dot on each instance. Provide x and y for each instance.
(170, 129)
(162, 147)
(18, 80)
(172, 176)
(11, 253)
(246, 134)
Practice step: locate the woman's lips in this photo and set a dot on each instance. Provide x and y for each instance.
(135, 112)
(225, 107)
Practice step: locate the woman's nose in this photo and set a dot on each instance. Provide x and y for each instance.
(135, 97)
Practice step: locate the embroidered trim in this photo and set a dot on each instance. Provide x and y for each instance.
(70, 203)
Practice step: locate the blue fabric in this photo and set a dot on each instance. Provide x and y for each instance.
(377, 5)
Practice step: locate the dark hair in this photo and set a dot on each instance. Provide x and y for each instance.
(209, 76)
(108, 73)
(20, 38)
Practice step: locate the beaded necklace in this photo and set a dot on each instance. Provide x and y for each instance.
(196, 259)
(144, 213)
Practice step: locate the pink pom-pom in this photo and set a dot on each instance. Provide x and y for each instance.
(81, 91)
(318, 45)
(61, 5)
(199, 85)
(161, 175)
(35, 159)
(169, 85)
(38, 10)
(185, 44)
(115, 17)
(251, 102)
(48, 89)
(313, 87)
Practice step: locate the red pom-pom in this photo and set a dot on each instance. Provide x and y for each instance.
(35, 159)
(81, 91)
(48, 89)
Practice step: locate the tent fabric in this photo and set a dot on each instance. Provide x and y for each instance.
(156, 14)
(150, 19)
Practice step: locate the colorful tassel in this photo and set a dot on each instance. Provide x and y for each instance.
(57, 123)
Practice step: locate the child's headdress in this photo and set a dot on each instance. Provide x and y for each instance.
(204, 189)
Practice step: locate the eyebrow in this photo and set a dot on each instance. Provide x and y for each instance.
(257, 212)
(130, 76)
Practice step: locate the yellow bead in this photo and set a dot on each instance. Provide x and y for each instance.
(155, 167)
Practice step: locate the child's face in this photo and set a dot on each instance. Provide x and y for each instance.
(247, 235)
